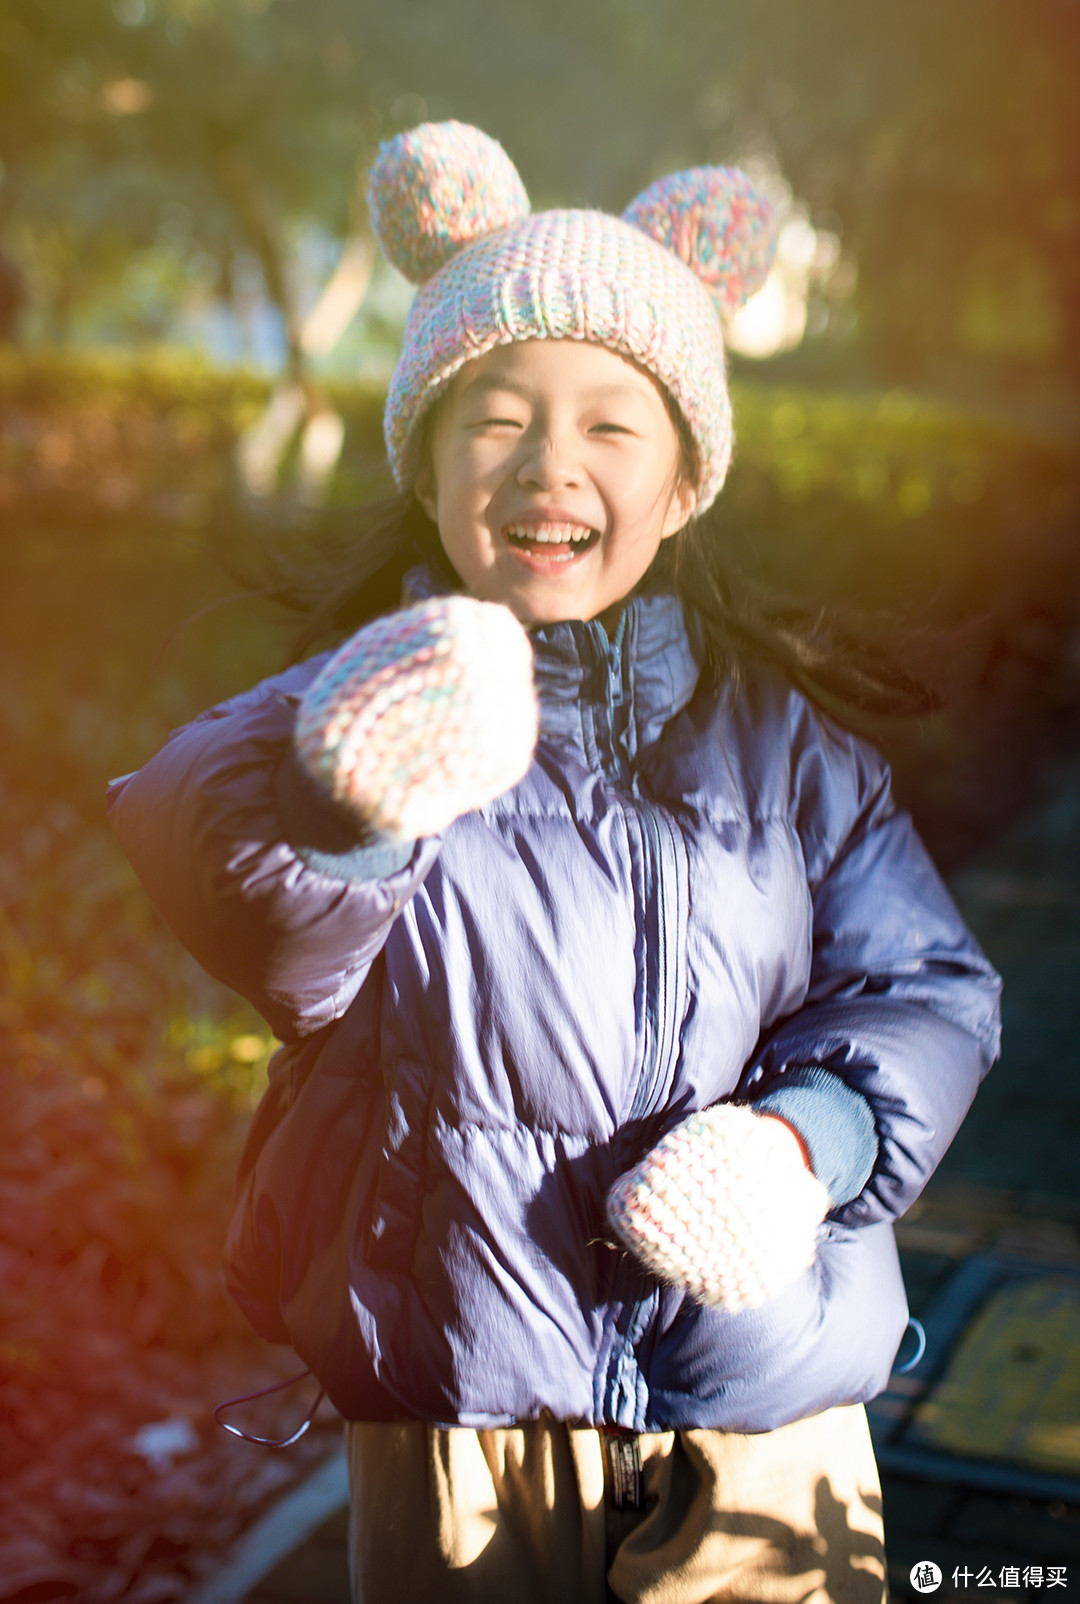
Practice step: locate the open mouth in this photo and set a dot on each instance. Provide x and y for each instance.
(552, 542)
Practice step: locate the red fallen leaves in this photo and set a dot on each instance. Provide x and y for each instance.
(112, 1315)
(115, 1187)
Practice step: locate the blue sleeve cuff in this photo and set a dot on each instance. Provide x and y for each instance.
(835, 1123)
(326, 837)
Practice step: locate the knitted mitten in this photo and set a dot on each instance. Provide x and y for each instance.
(723, 1206)
(422, 715)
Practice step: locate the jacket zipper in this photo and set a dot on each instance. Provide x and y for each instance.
(664, 879)
(653, 842)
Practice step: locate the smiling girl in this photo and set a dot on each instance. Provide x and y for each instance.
(622, 1011)
(554, 475)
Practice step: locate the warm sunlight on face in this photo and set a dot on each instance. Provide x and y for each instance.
(554, 476)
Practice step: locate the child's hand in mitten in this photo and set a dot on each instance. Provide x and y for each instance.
(423, 715)
(724, 1206)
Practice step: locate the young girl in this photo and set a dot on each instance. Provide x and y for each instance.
(622, 1012)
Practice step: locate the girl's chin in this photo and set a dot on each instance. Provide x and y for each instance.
(533, 610)
(553, 603)
(541, 592)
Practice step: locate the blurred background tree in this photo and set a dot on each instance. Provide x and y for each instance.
(164, 154)
(189, 174)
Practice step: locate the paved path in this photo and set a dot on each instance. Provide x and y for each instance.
(1023, 901)
(315, 1573)
(1011, 1180)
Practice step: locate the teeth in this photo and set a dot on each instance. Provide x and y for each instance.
(549, 534)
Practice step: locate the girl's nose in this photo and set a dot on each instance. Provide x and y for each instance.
(549, 464)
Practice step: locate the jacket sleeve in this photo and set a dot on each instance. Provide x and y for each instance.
(902, 1005)
(261, 878)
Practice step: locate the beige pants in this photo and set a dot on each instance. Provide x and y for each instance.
(484, 1517)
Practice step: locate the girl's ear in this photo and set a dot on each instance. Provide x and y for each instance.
(680, 508)
(425, 490)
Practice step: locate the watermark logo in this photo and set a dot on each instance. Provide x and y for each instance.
(1024, 1576)
(925, 1576)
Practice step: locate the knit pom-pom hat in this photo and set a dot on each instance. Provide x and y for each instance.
(452, 214)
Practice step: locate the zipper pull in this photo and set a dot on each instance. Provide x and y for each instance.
(615, 662)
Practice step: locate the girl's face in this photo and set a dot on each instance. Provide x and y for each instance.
(553, 477)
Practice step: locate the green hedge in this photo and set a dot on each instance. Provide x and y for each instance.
(891, 498)
(895, 499)
(102, 432)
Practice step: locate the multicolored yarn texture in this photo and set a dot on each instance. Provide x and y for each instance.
(723, 1206)
(422, 716)
(451, 213)
(435, 188)
(714, 220)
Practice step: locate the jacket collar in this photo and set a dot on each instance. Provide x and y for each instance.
(642, 676)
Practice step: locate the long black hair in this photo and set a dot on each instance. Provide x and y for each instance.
(854, 666)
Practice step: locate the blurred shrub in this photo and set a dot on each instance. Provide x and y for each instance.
(87, 433)
(888, 499)
(895, 501)
(98, 433)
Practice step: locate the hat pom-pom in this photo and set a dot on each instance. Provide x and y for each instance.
(436, 187)
(717, 223)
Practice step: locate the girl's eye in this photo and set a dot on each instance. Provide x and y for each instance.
(609, 428)
(496, 422)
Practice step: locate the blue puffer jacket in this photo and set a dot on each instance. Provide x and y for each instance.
(695, 893)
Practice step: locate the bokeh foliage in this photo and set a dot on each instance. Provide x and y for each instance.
(153, 145)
